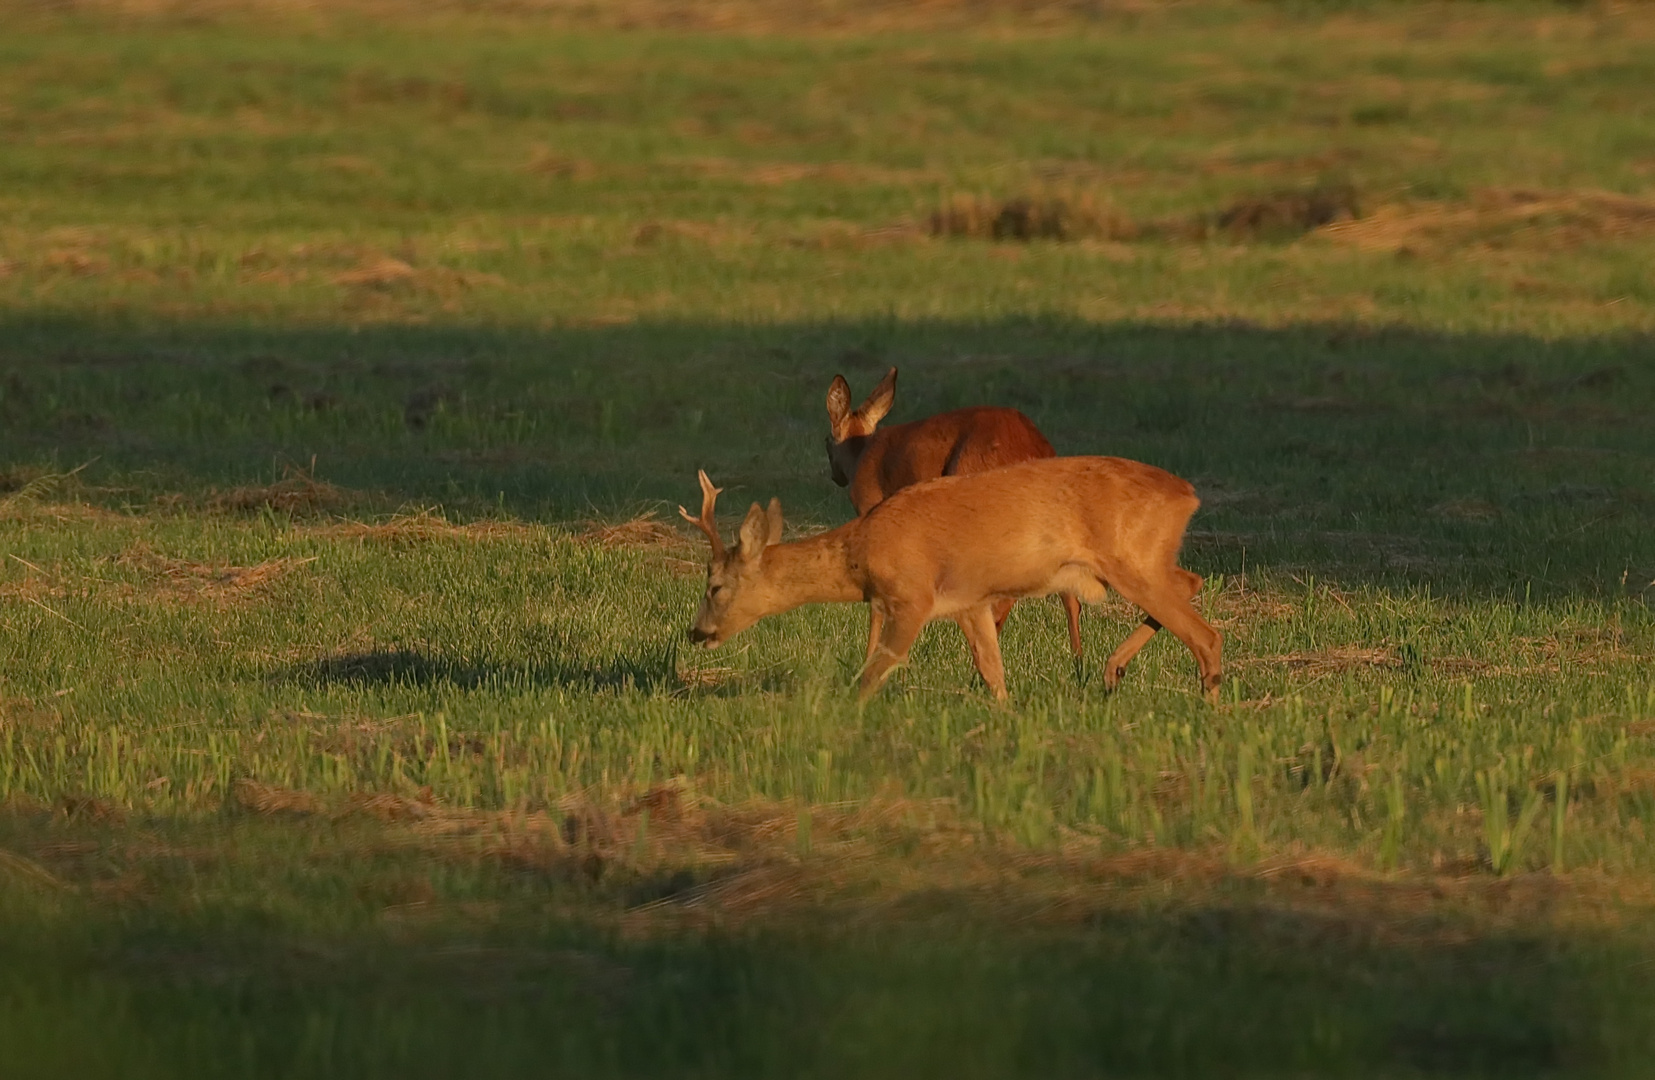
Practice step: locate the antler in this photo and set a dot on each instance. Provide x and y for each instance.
(709, 496)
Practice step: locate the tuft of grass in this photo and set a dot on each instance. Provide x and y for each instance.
(1505, 838)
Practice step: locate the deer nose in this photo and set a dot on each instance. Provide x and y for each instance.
(698, 635)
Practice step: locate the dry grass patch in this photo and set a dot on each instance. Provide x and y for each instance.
(643, 531)
(1497, 217)
(1285, 214)
(269, 799)
(1548, 656)
(1330, 660)
(671, 856)
(851, 236)
(665, 826)
(1588, 647)
(544, 161)
(298, 493)
(1273, 216)
(421, 527)
(779, 173)
(1239, 602)
(691, 680)
(17, 867)
(35, 585)
(744, 16)
(1030, 217)
(25, 486)
(705, 233)
(1494, 218)
(23, 713)
(664, 857)
(646, 532)
(1466, 509)
(195, 580)
(376, 271)
(160, 576)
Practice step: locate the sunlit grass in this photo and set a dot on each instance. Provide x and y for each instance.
(353, 361)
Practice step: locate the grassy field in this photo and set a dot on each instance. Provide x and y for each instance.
(351, 363)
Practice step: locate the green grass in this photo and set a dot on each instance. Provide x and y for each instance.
(347, 728)
(237, 169)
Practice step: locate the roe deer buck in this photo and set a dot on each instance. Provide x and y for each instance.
(954, 546)
(875, 464)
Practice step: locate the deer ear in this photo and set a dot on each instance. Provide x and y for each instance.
(838, 402)
(773, 516)
(879, 402)
(755, 532)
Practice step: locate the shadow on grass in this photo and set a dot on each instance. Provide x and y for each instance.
(1482, 463)
(652, 668)
(1232, 988)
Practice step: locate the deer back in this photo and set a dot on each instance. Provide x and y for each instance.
(1017, 530)
(948, 444)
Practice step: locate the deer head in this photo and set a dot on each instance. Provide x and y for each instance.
(737, 593)
(848, 430)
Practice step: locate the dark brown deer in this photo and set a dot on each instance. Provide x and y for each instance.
(876, 463)
(956, 546)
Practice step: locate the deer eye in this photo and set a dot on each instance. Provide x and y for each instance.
(714, 590)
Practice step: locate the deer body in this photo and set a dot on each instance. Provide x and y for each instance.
(875, 462)
(955, 546)
(947, 444)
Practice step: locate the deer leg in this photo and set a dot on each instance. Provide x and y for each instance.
(983, 637)
(876, 623)
(1187, 582)
(1167, 606)
(1071, 607)
(1002, 608)
(1115, 668)
(970, 632)
(900, 628)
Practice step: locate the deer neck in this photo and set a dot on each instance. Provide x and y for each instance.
(846, 457)
(822, 569)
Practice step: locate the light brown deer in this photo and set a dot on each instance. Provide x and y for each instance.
(953, 547)
(876, 463)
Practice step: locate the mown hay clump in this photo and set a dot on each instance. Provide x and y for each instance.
(1024, 218)
(1286, 214)
(298, 493)
(1279, 215)
(201, 580)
